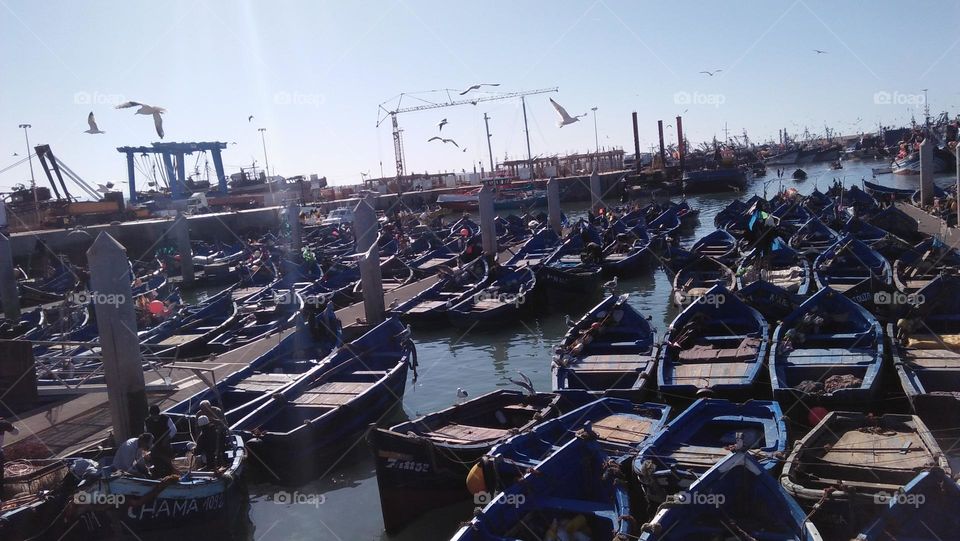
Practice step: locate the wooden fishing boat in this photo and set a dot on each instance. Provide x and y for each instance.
(451, 288)
(817, 201)
(849, 262)
(719, 244)
(577, 490)
(799, 175)
(701, 436)
(610, 351)
(782, 267)
(307, 425)
(857, 456)
(422, 463)
(828, 351)
(567, 275)
(878, 190)
(733, 216)
(502, 301)
(535, 250)
(813, 237)
(269, 310)
(898, 223)
(772, 301)
(31, 501)
(618, 425)
(735, 497)
(713, 348)
(630, 253)
(790, 216)
(693, 280)
(926, 508)
(714, 180)
(188, 333)
(927, 357)
(666, 223)
(923, 263)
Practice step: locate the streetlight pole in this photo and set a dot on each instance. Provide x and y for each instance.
(33, 180)
(486, 121)
(596, 136)
(266, 162)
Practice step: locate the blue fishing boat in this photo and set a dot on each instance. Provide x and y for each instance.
(577, 490)
(452, 287)
(828, 351)
(719, 244)
(701, 436)
(926, 352)
(714, 347)
(925, 509)
(772, 301)
(308, 424)
(781, 266)
(923, 263)
(813, 237)
(610, 351)
(620, 426)
(190, 330)
(714, 181)
(887, 192)
(572, 272)
(849, 262)
(501, 301)
(666, 223)
(536, 249)
(732, 217)
(817, 201)
(267, 311)
(790, 216)
(698, 276)
(735, 497)
(629, 253)
(858, 458)
(422, 464)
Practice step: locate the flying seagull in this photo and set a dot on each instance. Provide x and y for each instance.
(710, 73)
(442, 124)
(818, 51)
(104, 188)
(93, 125)
(477, 87)
(250, 118)
(565, 117)
(444, 140)
(147, 110)
(15, 154)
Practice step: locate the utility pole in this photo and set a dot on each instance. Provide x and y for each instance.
(526, 130)
(596, 136)
(266, 162)
(486, 121)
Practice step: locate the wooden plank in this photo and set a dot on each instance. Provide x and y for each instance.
(622, 428)
(469, 433)
(880, 451)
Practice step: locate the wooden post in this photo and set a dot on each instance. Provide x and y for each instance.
(181, 232)
(596, 192)
(119, 345)
(553, 205)
(372, 283)
(926, 171)
(957, 194)
(364, 226)
(488, 224)
(9, 293)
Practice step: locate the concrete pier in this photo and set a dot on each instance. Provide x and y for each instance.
(119, 344)
(181, 233)
(488, 224)
(596, 192)
(364, 226)
(553, 205)
(926, 171)
(9, 293)
(372, 283)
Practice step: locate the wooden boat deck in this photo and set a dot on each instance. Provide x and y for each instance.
(463, 434)
(265, 382)
(335, 393)
(622, 428)
(696, 455)
(611, 362)
(890, 450)
(829, 357)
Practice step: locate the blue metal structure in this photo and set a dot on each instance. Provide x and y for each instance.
(177, 178)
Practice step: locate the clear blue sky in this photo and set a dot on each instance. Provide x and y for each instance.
(211, 64)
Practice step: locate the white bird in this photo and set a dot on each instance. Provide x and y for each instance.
(477, 87)
(610, 286)
(444, 140)
(441, 124)
(147, 110)
(461, 394)
(394, 303)
(818, 51)
(569, 321)
(15, 154)
(93, 125)
(710, 73)
(523, 383)
(104, 188)
(565, 117)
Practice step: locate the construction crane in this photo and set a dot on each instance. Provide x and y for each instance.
(383, 113)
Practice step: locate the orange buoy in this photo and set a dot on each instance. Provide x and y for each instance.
(475, 480)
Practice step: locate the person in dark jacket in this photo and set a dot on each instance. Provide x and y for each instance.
(163, 430)
(210, 442)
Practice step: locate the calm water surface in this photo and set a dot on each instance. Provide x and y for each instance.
(345, 501)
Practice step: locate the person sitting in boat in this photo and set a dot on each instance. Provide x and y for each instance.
(907, 326)
(592, 254)
(210, 442)
(163, 430)
(132, 455)
(212, 412)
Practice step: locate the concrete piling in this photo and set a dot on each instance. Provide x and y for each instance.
(110, 292)
(596, 192)
(926, 171)
(553, 205)
(488, 224)
(9, 293)
(364, 226)
(181, 233)
(371, 281)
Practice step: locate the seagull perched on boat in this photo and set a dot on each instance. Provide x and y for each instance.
(569, 321)
(461, 394)
(477, 87)
(565, 117)
(394, 303)
(93, 125)
(147, 110)
(611, 286)
(818, 51)
(710, 73)
(441, 124)
(435, 138)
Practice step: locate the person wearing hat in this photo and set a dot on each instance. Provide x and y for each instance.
(210, 442)
(212, 412)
